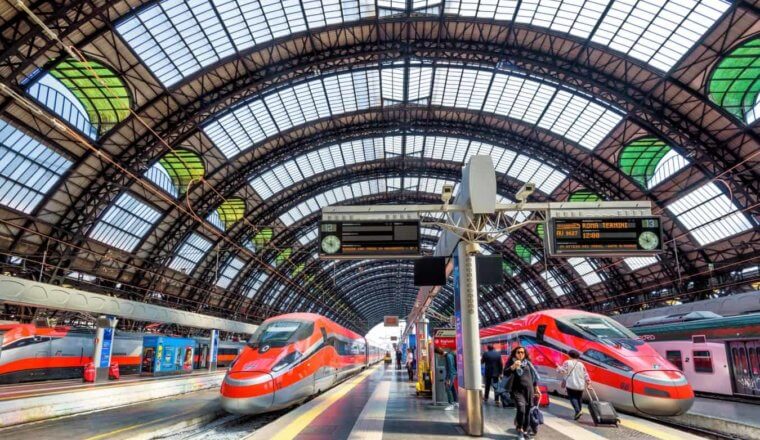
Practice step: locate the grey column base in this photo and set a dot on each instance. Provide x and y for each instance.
(211, 367)
(471, 411)
(101, 374)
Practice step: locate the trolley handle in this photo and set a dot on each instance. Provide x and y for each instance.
(595, 396)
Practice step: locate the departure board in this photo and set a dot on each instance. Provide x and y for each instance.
(369, 239)
(600, 237)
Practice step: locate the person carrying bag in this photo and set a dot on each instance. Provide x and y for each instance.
(575, 380)
(523, 386)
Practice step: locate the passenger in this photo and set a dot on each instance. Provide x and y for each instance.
(575, 380)
(451, 374)
(410, 364)
(398, 359)
(491, 359)
(523, 386)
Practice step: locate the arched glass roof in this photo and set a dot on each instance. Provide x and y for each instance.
(518, 166)
(176, 39)
(560, 110)
(735, 82)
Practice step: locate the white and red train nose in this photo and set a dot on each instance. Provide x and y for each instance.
(247, 392)
(661, 392)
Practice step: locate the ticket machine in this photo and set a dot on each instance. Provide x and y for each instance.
(445, 339)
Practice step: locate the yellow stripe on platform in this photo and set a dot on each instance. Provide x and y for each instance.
(301, 422)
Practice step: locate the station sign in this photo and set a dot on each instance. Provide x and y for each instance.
(605, 237)
(445, 338)
(369, 239)
(391, 321)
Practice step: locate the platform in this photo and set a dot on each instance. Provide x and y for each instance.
(739, 418)
(35, 401)
(380, 404)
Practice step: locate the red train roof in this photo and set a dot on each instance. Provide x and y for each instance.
(525, 320)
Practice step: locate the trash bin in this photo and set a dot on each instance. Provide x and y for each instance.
(113, 371)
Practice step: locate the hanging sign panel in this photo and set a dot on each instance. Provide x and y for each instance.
(605, 237)
(369, 239)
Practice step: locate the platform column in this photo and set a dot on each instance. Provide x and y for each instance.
(103, 345)
(422, 350)
(213, 349)
(470, 395)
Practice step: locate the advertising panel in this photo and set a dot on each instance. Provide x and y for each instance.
(105, 354)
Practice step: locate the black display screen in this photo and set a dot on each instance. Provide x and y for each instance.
(614, 236)
(369, 239)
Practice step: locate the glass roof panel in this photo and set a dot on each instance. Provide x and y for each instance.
(636, 263)
(158, 175)
(229, 272)
(308, 237)
(51, 93)
(254, 283)
(533, 294)
(567, 114)
(655, 31)
(177, 38)
(182, 167)
(125, 223)
(586, 270)
(709, 214)
(28, 169)
(190, 253)
(551, 280)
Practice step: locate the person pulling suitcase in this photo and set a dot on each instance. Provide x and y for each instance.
(602, 412)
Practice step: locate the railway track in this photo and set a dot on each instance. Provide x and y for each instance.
(225, 427)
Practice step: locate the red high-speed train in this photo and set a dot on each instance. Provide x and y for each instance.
(29, 352)
(291, 358)
(624, 370)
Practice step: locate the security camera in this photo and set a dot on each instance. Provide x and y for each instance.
(447, 193)
(525, 191)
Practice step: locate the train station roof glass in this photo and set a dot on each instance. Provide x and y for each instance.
(125, 223)
(176, 39)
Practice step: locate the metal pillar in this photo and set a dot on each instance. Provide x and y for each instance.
(213, 349)
(103, 346)
(469, 393)
(422, 351)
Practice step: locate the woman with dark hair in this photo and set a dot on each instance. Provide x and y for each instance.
(574, 380)
(523, 385)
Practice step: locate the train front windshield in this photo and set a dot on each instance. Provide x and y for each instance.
(278, 333)
(607, 329)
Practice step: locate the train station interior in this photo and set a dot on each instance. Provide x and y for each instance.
(379, 219)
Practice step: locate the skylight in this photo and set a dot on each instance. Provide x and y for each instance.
(636, 263)
(551, 280)
(125, 223)
(586, 270)
(254, 283)
(229, 272)
(175, 39)
(308, 237)
(360, 189)
(190, 253)
(709, 214)
(559, 110)
(28, 169)
(533, 293)
(335, 156)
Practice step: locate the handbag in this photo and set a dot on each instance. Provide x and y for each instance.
(503, 386)
(563, 384)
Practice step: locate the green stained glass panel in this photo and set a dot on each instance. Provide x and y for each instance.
(540, 230)
(262, 237)
(508, 269)
(524, 253)
(583, 195)
(183, 167)
(231, 211)
(102, 93)
(735, 82)
(283, 256)
(640, 157)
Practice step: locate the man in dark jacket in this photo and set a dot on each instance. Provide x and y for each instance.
(493, 366)
(450, 376)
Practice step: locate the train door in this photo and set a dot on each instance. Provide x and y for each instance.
(43, 355)
(745, 367)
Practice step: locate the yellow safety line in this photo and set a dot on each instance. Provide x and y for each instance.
(636, 426)
(296, 426)
(131, 427)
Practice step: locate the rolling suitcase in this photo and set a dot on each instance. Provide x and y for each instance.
(603, 413)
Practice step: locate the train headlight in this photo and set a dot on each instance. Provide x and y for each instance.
(291, 358)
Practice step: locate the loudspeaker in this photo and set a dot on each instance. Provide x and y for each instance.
(430, 271)
(489, 271)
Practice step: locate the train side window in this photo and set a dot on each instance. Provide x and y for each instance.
(540, 332)
(324, 334)
(674, 357)
(702, 361)
(568, 330)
